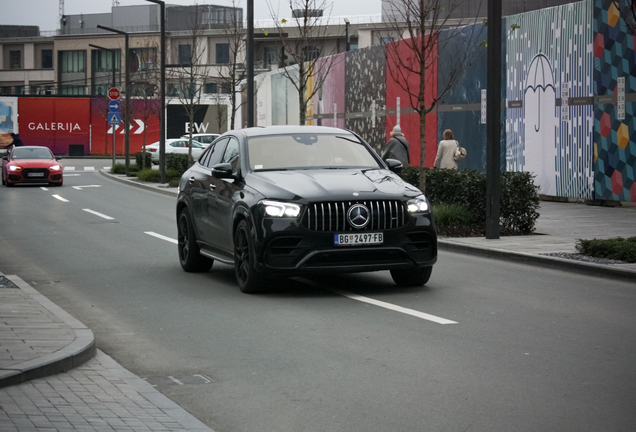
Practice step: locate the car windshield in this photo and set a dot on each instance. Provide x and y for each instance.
(32, 153)
(307, 150)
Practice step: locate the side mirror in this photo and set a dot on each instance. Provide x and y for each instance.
(394, 165)
(58, 157)
(222, 170)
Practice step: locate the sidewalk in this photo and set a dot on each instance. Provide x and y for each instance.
(52, 377)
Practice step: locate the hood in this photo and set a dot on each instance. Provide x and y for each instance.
(34, 163)
(336, 184)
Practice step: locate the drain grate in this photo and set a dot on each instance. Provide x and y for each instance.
(6, 283)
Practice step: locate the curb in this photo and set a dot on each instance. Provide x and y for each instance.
(74, 354)
(574, 266)
(151, 187)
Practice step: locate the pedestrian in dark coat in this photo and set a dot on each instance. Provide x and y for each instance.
(397, 147)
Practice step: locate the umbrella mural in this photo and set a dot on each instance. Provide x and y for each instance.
(541, 122)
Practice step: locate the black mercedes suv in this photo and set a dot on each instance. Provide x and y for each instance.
(288, 200)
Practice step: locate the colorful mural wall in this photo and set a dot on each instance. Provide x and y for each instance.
(614, 155)
(550, 96)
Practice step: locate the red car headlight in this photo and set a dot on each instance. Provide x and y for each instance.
(55, 168)
(14, 168)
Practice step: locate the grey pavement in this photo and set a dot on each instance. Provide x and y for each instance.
(52, 377)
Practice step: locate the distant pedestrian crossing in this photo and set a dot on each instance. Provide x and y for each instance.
(85, 168)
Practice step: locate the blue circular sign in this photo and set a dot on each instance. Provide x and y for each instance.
(114, 106)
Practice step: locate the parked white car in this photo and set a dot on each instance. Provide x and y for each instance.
(205, 139)
(175, 145)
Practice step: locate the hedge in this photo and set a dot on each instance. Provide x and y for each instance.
(519, 198)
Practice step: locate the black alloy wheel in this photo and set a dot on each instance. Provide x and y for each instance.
(413, 277)
(189, 252)
(248, 280)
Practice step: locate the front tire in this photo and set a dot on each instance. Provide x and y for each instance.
(413, 277)
(189, 252)
(248, 279)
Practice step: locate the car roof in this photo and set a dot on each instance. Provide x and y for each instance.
(200, 134)
(290, 129)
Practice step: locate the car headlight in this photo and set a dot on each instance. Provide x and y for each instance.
(14, 168)
(280, 209)
(55, 168)
(418, 205)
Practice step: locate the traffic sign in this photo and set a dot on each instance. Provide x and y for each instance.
(113, 93)
(114, 118)
(114, 106)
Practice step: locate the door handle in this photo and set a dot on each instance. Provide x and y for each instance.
(191, 180)
(212, 186)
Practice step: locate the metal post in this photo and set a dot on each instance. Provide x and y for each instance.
(493, 121)
(347, 42)
(113, 58)
(127, 90)
(250, 63)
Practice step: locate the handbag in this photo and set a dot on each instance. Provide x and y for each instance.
(460, 152)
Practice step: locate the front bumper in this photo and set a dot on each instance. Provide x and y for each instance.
(285, 247)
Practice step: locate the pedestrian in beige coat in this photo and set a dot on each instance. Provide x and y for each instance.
(446, 151)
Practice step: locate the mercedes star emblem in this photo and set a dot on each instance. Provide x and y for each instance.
(358, 215)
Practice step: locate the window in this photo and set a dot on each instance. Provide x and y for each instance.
(311, 53)
(386, 40)
(210, 88)
(185, 55)
(103, 60)
(15, 59)
(143, 59)
(215, 153)
(72, 90)
(222, 53)
(72, 61)
(47, 59)
(270, 57)
(231, 154)
(5, 90)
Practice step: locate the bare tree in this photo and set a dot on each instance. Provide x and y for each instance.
(232, 73)
(422, 30)
(306, 45)
(191, 71)
(146, 78)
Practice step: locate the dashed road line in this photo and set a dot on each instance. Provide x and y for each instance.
(393, 307)
(98, 214)
(60, 198)
(162, 237)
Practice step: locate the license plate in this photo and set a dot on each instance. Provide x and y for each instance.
(358, 239)
(36, 174)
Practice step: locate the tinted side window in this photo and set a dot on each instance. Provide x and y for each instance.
(216, 152)
(231, 154)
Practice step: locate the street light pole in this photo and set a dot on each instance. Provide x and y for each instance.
(347, 43)
(112, 52)
(250, 63)
(162, 92)
(127, 90)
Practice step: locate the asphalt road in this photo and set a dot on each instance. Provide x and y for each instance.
(486, 346)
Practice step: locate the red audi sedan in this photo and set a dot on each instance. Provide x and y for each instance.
(31, 164)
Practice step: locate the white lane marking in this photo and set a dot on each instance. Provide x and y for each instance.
(98, 214)
(175, 380)
(106, 168)
(87, 186)
(72, 175)
(89, 168)
(60, 198)
(395, 308)
(69, 168)
(162, 237)
(43, 188)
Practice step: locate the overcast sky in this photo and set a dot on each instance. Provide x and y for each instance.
(45, 13)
